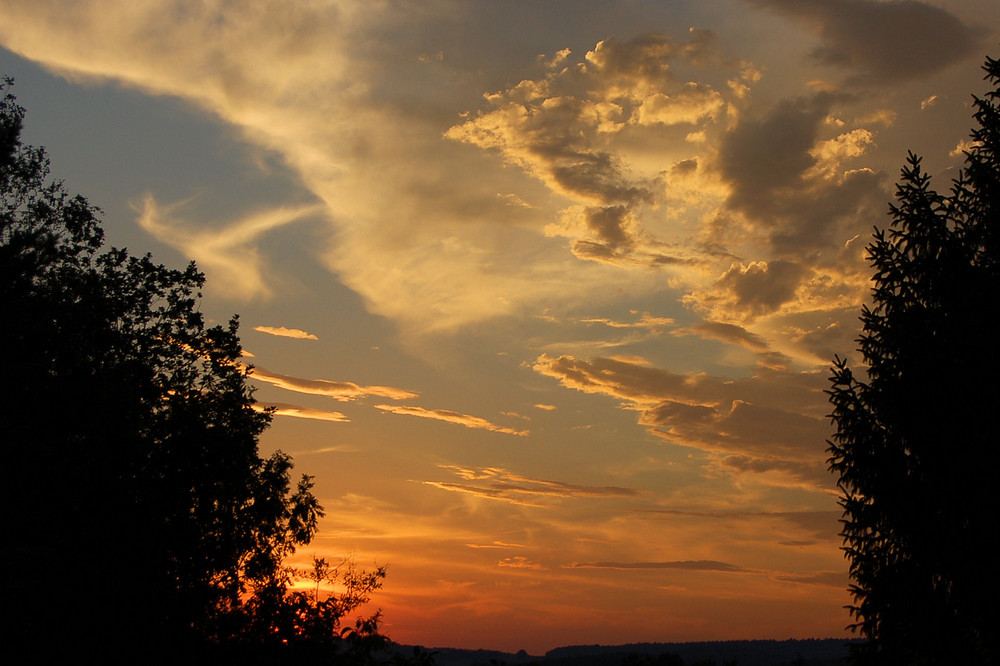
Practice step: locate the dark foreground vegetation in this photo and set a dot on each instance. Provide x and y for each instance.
(142, 524)
(916, 444)
(811, 652)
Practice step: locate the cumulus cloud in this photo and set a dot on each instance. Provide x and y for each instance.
(449, 416)
(560, 129)
(882, 41)
(748, 291)
(342, 391)
(283, 332)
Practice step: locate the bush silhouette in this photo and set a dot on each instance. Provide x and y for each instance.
(143, 522)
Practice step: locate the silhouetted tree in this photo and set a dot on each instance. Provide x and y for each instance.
(139, 514)
(916, 443)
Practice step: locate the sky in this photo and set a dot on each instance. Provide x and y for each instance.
(545, 294)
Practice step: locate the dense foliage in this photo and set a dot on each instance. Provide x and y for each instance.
(140, 515)
(916, 444)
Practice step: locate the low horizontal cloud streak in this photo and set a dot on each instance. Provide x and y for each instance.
(300, 412)
(500, 484)
(450, 416)
(282, 332)
(754, 425)
(342, 391)
(685, 565)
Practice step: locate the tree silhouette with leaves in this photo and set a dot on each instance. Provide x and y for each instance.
(916, 443)
(140, 515)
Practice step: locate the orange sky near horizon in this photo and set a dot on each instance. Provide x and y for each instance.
(545, 294)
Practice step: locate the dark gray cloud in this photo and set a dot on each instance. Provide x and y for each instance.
(766, 436)
(762, 287)
(813, 472)
(882, 41)
(685, 565)
(787, 174)
(713, 330)
(764, 158)
(837, 579)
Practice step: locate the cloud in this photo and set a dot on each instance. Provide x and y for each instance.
(646, 320)
(758, 425)
(449, 416)
(838, 579)
(486, 493)
(560, 130)
(745, 292)
(230, 256)
(283, 332)
(519, 562)
(730, 333)
(495, 545)
(342, 391)
(684, 565)
(764, 158)
(297, 411)
(499, 484)
(883, 41)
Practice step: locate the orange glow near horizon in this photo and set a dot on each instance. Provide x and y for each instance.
(544, 304)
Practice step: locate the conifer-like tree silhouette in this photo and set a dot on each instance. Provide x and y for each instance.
(916, 443)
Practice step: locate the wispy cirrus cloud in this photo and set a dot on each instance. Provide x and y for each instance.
(230, 255)
(450, 416)
(499, 484)
(300, 412)
(343, 391)
(646, 320)
(282, 332)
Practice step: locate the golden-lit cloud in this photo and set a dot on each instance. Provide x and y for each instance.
(283, 332)
(519, 562)
(753, 425)
(713, 330)
(645, 321)
(230, 256)
(300, 412)
(450, 416)
(499, 484)
(342, 391)
(670, 224)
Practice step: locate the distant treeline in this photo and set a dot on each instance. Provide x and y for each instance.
(811, 652)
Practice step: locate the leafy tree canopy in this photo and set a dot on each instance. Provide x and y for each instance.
(916, 444)
(140, 512)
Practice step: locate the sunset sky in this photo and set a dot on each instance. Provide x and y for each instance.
(545, 293)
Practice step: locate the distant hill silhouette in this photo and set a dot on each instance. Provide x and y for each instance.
(809, 652)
